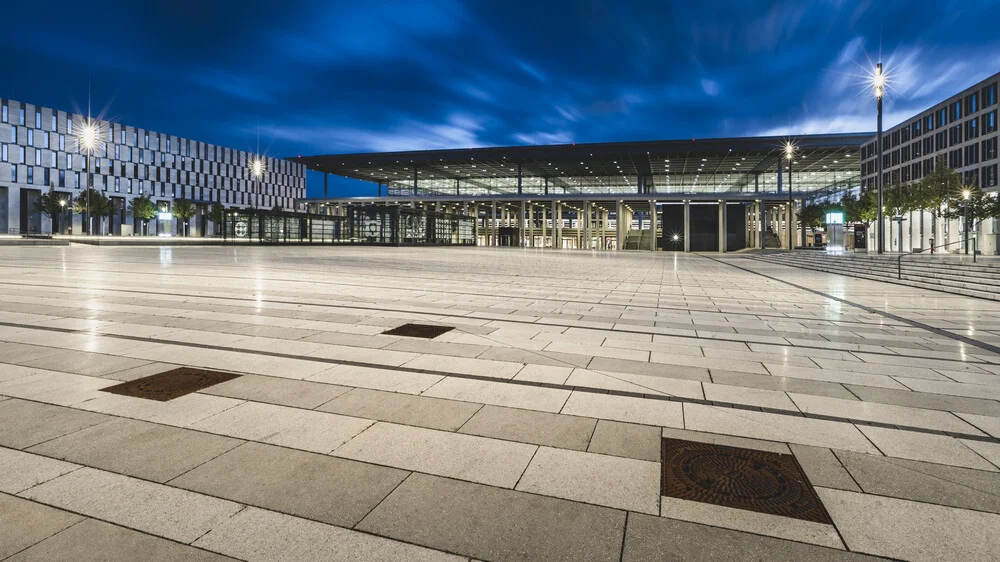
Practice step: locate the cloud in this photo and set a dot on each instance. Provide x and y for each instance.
(710, 87)
(544, 137)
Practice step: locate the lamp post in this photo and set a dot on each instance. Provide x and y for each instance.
(88, 141)
(62, 209)
(965, 196)
(878, 85)
(789, 152)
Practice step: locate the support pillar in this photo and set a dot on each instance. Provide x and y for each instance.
(414, 181)
(519, 182)
(619, 225)
(722, 227)
(792, 216)
(687, 226)
(586, 226)
(326, 185)
(520, 220)
(652, 226)
(493, 226)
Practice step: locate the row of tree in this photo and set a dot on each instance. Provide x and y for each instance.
(100, 206)
(941, 193)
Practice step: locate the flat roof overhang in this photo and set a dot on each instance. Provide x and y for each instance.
(615, 168)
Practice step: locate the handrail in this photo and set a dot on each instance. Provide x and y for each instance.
(899, 260)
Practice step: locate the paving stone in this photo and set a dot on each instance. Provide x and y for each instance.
(660, 538)
(941, 449)
(280, 391)
(145, 506)
(137, 448)
(630, 440)
(291, 427)
(526, 426)
(24, 523)
(823, 468)
(726, 440)
(598, 479)
(20, 471)
(925, 482)
(489, 523)
(750, 521)
(625, 409)
(783, 384)
(500, 394)
(23, 423)
(468, 457)
(911, 530)
(406, 409)
(97, 541)
(319, 487)
(258, 535)
(83, 363)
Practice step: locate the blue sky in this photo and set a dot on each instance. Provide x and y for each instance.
(331, 77)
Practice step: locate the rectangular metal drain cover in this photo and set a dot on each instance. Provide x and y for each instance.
(748, 479)
(426, 331)
(170, 384)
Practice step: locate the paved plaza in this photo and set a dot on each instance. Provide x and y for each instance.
(536, 428)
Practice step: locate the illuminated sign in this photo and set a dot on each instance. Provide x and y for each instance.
(835, 218)
(164, 216)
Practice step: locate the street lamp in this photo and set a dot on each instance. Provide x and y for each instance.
(789, 152)
(257, 169)
(878, 82)
(88, 141)
(965, 196)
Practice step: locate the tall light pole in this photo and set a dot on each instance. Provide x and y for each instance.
(88, 141)
(789, 152)
(257, 169)
(878, 85)
(965, 196)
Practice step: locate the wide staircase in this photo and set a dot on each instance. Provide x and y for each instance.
(637, 240)
(950, 274)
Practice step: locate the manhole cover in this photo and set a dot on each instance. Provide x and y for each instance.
(170, 384)
(741, 478)
(427, 331)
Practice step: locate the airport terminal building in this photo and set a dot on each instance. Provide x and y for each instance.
(690, 195)
(39, 149)
(684, 195)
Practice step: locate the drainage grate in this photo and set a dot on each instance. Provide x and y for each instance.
(740, 478)
(170, 384)
(426, 331)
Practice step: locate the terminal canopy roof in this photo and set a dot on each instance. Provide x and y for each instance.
(821, 163)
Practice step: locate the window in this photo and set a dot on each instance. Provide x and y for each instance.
(62, 178)
(69, 126)
(141, 152)
(989, 95)
(31, 137)
(38, 157)
(942, 118)
(62, 143)
(3, 153)
(76, 180)
(21, 161)
(3, 112)
(118, 152)
(187, 150)
(31, 175)
(168, 144)
(972, 128)
(147, 140)
(956, 111)
(990, 176)
(989, 149)
(45, 140)
(38, 119)
(45, 176)
(53, 121)
(13, 173)
(118, 186)
(971, 155)
(69, 161)
(990, 122)
(123, 135)
(971, 104)
(21, 117)
(135, 137)
(53, 159)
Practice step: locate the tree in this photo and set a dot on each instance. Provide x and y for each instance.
(99, 206)
(977, 207)
(51, 205)
(276, 209)
(217, 214)
(143, 209)
(812, 215)
(183, 210)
